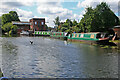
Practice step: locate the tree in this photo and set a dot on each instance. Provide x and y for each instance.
(14, 16)
(63, 29)
(6, 18)
(69, 23)
(100, 18)
(74, 23)
(7, 27)
(57, 22)
(46, 27)
(107, 17)
(11, 16)
(13, 29)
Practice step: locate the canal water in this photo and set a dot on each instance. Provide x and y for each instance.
(54, 58)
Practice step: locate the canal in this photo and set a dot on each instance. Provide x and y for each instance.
(54, 58)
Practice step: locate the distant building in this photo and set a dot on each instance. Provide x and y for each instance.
(38, 24)
(22, 26)
(34, 24)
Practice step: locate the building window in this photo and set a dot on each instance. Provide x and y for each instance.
(42, 23)
(35, 22)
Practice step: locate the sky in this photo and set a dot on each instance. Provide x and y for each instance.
(50, 9)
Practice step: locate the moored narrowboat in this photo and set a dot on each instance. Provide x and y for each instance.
(42, 33)
(89, 37)
(59, 35)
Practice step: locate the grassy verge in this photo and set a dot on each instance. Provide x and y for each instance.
(116, 48)
(115, 41)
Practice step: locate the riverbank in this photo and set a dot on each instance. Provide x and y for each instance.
(115, 47)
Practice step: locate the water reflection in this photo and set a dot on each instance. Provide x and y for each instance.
(51, 58)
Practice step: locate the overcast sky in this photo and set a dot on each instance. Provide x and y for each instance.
(49, 9)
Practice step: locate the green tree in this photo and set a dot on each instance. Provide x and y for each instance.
(106, 15)
(7, 27)
(69, 22)
(63, 29)
(46, 27)
(11, 16)
(57, 22)
(6, 18)
(99, 19)
(74, 23)
(14, 16)
(13, 29)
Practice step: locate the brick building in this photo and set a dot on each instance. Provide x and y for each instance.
(34, 24)
(22, 26)
(38, 24)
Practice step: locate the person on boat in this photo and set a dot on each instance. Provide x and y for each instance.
(111, 33)
(115, 36)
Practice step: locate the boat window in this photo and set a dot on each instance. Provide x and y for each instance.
(106, 35)
(77, 35)
(81, 36)
(92, 36)
(98, 36)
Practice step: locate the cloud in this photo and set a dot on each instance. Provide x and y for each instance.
(8, 5)
(24, 15)
(17, 2)
(49, 8)
(54, 9)
(86, 3)
(14, 6)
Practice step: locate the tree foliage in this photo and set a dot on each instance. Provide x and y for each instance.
(99, 19)
(13, 29)
(14, 16)
(57, 22)
(11, 16)
(9, 28)
(6, 22)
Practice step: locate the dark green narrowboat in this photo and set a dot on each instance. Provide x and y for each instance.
(89, 37)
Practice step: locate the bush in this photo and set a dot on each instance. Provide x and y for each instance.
(9, 28)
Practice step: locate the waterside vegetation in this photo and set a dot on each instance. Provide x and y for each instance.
(99, 19)
(6, 23)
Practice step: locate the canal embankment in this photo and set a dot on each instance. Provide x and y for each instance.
(114, 45)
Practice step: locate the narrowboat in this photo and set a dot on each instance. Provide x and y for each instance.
(96, 37)
(42, 33)
(59, 35)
